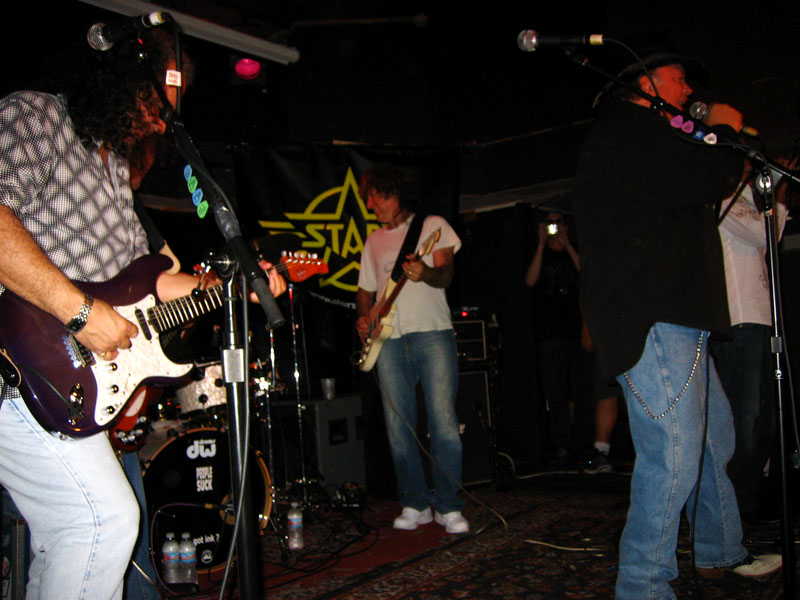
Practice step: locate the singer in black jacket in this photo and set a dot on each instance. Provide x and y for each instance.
(652, 289)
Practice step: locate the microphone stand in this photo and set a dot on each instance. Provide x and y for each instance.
(765, 183)
(236, 257)
(764, 186)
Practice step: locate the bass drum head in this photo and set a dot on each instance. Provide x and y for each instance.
(187, 484)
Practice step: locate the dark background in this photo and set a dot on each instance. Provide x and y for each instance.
(367, 74)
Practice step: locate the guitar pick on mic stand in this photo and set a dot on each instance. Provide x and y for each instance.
(691, 126)
(235, 257)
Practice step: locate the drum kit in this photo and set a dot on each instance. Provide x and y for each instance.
(181, 436)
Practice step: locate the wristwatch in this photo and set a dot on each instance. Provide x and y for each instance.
(78, 322)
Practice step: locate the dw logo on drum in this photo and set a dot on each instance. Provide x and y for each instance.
(202, 448)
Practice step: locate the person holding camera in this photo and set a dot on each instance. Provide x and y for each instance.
(554, 275)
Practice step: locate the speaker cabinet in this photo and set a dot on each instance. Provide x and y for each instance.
(470, 340)
(333, 436)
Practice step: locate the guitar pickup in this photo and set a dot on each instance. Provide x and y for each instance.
(143, 327)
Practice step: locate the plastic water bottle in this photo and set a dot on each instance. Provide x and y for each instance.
(170, 554)
(295, 518)
(188, 559)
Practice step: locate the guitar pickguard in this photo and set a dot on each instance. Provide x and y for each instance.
(118, 379)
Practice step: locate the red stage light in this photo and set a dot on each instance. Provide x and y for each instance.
(248, 68)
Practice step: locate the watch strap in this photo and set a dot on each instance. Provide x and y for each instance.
(78, 322)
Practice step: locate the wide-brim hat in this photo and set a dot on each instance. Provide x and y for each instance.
(651, 56)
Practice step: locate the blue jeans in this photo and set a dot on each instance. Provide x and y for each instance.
(430, 358)
(80, 509)
(668, 437)
(137, 587)
(745, 366)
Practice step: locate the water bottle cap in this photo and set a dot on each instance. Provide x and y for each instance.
(170, 534)
(185, 535)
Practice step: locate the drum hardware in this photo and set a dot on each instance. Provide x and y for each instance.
(265, 386)
(303, 480)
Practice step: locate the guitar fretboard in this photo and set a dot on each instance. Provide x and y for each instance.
(163, 317)
(177, 312)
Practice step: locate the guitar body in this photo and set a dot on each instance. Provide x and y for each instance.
(98, 390)
(380, 329)
(66, 388)
(129, 431)
(380, 315)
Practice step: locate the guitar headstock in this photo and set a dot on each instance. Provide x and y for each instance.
(429, 242)
(299, 267)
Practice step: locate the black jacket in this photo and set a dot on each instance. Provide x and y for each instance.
(650, 250)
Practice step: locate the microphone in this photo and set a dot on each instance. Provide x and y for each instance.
(699, 111)
(528, 40)
(101, 36)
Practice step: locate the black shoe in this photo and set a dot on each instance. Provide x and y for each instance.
(598, 463)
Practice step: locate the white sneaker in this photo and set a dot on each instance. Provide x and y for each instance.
(454, 522)
(411, 517)
(759, 565)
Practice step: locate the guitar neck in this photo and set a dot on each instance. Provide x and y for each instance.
(181, 310)
(388, 302)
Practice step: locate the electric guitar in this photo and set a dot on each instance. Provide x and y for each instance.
(63, 384)
(381, 314)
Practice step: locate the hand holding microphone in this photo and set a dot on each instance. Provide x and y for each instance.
(721, 114)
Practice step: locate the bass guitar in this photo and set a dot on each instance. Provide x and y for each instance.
(63, 384)
(381, 314)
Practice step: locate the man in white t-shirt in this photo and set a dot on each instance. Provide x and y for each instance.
(421, 348)
(744, 362)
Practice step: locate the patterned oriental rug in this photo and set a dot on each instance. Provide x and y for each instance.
(554, 536)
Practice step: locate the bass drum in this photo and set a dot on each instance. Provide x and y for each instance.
(188, 489)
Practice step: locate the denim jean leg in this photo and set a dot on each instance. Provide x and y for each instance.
(397, 383)
(84, 528)
(718, 526)
(668, 437)
(436, 360)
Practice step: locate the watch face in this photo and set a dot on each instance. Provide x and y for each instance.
(76, 324)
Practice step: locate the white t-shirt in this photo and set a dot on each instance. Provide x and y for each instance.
(419, 307)
(744, 247)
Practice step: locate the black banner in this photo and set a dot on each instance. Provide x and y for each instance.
(305, 199)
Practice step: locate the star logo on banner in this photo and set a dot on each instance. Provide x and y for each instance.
(334, 225)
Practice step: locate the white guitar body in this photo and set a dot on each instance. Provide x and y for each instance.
(381, 314)
(380, 328)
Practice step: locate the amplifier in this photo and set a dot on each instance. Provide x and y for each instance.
(470, 340)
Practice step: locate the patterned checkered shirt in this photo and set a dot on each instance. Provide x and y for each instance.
(80, 213)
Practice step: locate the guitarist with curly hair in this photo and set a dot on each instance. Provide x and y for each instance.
(66, 218)
(408, 336)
